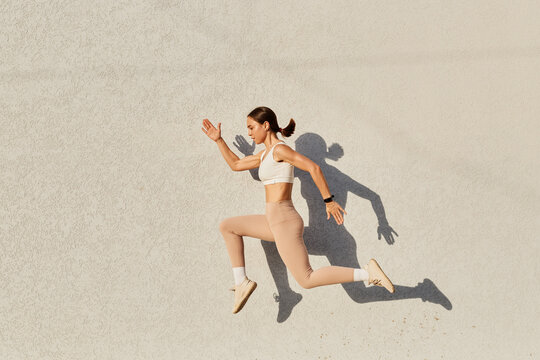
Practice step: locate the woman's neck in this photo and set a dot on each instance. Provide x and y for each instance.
(271, 142)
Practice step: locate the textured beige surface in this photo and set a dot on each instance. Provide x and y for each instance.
(111, 195)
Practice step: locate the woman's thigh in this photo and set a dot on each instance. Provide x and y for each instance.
(288, 229)
(292, 249)
(255, 226)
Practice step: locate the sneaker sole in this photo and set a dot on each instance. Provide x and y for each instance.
(391, 289)
(245, 299)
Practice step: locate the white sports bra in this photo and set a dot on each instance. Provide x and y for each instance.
(271, 171)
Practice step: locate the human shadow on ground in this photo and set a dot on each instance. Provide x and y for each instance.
(341, 250)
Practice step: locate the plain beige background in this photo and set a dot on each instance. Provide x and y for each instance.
(111, 195)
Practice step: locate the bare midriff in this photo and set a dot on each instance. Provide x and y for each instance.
(278, 191)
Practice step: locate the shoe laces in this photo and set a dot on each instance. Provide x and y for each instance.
(237, 286)
(376, 282)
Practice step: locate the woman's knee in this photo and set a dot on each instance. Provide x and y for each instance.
(224, 225)
(305, 281)
(306, 284)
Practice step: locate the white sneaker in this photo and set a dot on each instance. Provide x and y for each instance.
(241, 293)
(377, 277)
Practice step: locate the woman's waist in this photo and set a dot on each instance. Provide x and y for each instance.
(280, 201)
(278, 192)
(280, 206)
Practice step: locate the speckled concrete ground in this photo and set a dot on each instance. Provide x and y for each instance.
(423, 114)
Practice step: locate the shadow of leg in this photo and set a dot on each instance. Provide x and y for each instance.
(286, 297)
(426, 291)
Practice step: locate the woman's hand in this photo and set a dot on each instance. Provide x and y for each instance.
(333, 208)
(211, 131)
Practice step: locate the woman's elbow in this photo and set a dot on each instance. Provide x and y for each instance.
(315, 169)
(236, 167)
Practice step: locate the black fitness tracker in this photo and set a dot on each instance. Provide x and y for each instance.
(329, 199)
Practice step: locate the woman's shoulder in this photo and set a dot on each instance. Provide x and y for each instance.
(280, 152)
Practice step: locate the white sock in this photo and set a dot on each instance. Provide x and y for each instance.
(239, 274)
(361, 275)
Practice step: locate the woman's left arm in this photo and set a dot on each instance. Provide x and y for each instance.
(332, 207)
(302, 162)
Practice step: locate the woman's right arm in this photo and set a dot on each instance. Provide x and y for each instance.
(215, 134)
(230, 157)
(246, 163)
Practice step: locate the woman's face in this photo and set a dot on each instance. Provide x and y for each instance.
(256, 131)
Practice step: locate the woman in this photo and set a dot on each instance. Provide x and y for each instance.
(281, 223)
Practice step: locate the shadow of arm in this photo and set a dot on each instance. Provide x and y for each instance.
(384, 228)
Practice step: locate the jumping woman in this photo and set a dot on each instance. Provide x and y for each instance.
(281, 223)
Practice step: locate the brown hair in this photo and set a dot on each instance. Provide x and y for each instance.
(262, 114)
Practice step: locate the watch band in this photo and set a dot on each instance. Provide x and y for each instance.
(329, 199)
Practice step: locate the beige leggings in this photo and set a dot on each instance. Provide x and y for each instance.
(285, 226)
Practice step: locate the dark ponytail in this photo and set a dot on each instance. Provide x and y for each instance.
(263, 113)
(289, 130)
